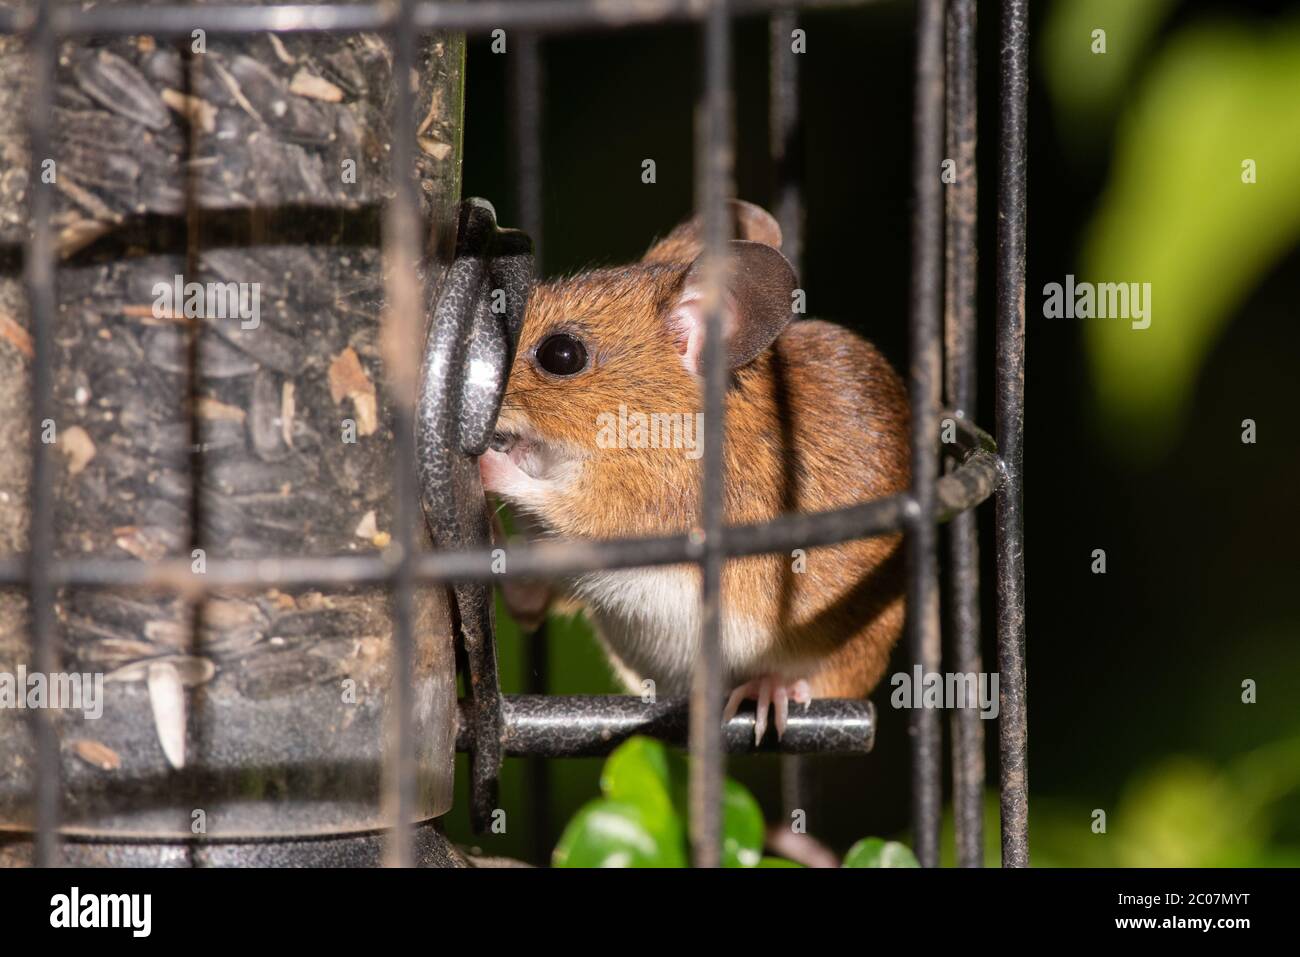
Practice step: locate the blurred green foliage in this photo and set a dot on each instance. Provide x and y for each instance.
(641, 819)
(1069, 40)
(1216, 105)
(1182, 812)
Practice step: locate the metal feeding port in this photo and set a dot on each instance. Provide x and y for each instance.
(265, 529)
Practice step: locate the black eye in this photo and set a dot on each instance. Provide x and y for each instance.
(561, 354)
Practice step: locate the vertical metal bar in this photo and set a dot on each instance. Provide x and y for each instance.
(795, 792)
(537, 770)
(963, 543)
(1012, 727)
(713, 167)
(784, 135)
(194, 330)
(787, 205)
(927, 280)
(403, 251)
(42, 296)
(526, 117)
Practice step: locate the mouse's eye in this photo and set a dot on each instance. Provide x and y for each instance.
(562, 354)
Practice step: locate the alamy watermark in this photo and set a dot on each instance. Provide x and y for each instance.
(1103, 300)
(947, 690)
(651, 430)
(208, 300)
(133, 912)
(22, 690)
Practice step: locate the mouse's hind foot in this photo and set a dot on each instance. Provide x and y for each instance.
(772, 691)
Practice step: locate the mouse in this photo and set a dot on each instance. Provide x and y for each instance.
(600, 434)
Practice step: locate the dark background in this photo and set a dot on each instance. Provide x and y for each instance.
(1134, 676)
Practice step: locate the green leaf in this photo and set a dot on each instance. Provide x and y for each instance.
(640, 772)
(742, 826)
(777, 862)
(607, 833)
(742, 818)
(875, 852)
(646, 786)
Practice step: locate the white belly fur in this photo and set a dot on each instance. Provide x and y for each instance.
(649, 620)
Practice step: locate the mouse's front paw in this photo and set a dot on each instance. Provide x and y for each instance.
(769, 690)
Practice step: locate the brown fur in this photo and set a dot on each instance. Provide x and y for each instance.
(819, 420)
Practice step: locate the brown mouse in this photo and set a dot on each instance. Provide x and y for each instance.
(600, 436)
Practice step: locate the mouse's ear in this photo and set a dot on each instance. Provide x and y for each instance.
(685, 243)
(756, 308)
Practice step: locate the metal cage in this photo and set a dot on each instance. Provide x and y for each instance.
(942, 373)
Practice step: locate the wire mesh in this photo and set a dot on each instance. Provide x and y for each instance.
(533, 725)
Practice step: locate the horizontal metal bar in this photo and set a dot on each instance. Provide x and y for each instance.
(172, 21)
(968, 486)
(563, 15)
(542, 16)
(580, 726)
